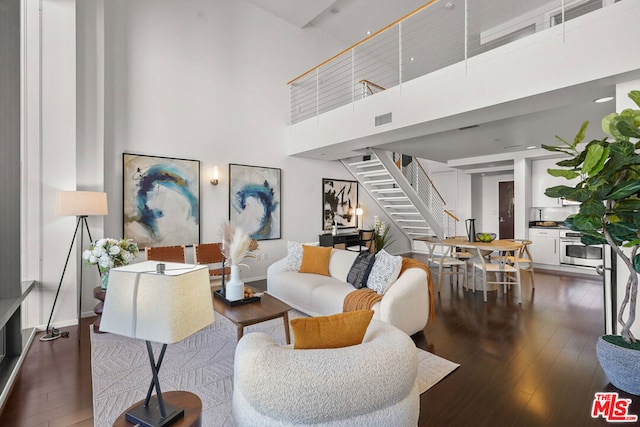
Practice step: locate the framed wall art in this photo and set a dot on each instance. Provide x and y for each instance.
(161, 200)
(254, 200)
(339, 201)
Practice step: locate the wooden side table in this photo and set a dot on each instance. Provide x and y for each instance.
(191, 404)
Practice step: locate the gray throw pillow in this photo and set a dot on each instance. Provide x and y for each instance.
(360, 269)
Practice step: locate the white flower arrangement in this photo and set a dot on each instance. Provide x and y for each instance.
(109, 253)
(237, 244)
(381, 237)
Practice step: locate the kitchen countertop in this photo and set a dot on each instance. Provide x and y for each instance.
(548, 224)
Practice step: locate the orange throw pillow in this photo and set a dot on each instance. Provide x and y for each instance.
(315, 259)
(339, 330)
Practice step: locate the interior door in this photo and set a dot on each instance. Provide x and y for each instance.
(505, 209)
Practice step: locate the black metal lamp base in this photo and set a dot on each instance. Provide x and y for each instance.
(150, 416)
(54, 334)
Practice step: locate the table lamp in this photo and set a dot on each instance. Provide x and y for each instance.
(160, 302)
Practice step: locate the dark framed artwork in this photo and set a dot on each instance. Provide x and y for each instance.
(339, 201)
(254, 200)
(161, 200)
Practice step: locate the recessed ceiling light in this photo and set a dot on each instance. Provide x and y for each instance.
(412, 59)
(368, 33)
(531, 147)
(603, 99)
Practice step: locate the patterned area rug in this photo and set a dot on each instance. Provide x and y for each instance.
(202, 364)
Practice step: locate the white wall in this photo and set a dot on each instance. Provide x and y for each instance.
(198, 79)
(455, 187)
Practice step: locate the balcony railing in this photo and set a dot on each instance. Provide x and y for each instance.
(434, 36)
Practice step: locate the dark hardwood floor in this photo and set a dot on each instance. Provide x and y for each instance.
(529, 365)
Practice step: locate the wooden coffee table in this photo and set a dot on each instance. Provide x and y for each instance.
(269, 307)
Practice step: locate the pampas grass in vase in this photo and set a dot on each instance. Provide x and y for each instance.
(236, 246)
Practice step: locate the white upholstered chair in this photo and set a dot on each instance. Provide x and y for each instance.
(370, 384)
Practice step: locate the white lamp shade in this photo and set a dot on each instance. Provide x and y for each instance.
(80, 203)
(164, 308)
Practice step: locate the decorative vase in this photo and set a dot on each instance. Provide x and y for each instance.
(104, 279)
(234, 287)
(619, 364)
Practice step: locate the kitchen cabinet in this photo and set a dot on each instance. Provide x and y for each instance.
(544, 248)
(541, 180)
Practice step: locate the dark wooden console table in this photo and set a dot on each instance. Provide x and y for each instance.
(347, 239)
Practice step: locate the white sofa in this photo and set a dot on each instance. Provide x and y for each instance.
(405, 305)
(370, 384)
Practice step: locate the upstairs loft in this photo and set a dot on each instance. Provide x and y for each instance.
(560, 68)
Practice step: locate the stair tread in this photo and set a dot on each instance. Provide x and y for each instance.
(365, 163)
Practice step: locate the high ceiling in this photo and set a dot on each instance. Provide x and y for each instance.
(503, 129)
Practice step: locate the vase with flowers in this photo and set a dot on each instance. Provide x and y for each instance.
(381, 237)
(108, 253)
(236, 246)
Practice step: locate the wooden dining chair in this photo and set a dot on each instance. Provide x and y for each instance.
(449, 265)
(506, 274)
(211, 254)
(525, 261)
(365, 241)
(166, 253)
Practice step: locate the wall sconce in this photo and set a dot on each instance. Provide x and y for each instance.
(215, 180)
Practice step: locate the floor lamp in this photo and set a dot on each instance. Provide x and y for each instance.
(79, 204)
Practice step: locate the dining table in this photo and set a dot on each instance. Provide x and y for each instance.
(479, 250)
(500, 245)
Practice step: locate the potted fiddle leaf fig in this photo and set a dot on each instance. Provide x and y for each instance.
(608, 191)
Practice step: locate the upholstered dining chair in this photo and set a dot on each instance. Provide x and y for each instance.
(166, 253)
(365, 242)
(211, 253)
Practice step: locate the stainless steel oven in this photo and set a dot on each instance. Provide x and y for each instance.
(573, 252)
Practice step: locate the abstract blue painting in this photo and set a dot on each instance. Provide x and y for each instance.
(161, 200)
(254, 200)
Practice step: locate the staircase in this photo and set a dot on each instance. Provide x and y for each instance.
(403, 189)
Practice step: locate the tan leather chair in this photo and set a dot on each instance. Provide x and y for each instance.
(211, 253)
(166, 253)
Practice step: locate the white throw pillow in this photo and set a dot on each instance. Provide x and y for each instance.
(294, 255)
(385, 272)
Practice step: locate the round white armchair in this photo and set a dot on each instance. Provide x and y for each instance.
(373, 383)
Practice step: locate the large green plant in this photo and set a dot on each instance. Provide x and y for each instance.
(609, 194)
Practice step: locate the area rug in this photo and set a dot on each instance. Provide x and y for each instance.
(202, 364)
